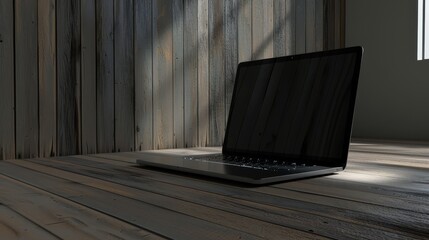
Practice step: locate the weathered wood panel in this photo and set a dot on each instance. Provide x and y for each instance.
(47, 78)
(280, 26)
(381, 194)
(68, 77)
(7, 85)
(337, 23)
(105, 77)
(262, 29)
(14, 226)
(124, 75)
(216, 210)
(163, 73)
(89, 77)
(244, 30)
(310, 25)
(319, 16)
(329, 26)
(140, 74)
(300, 26)
(60, 216)
(170, 223)
(191, 52)
(26, 79)
(203, 74)
(143, 74)
(290, 27)
(231, 50)
(178, 66)
(216, 72)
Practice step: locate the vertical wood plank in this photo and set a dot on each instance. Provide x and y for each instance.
(300, 28)
(27, 118)
(163, 74)
(231, 50)
(310, 25)
(47, 78)
(342, 20)
(143, 74)
(262, 28)
(244, 30)
(191, 73)
(319, 16)
(216, 72)
(68, 76)
(105, 77)
(329, 24)
(337, 23)
(7, 93)
(280, 26)
(89, 77)
(203, 73)
(290, 27)
(124, 76)
(179, 138)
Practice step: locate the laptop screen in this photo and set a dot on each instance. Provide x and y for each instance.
(298, 107)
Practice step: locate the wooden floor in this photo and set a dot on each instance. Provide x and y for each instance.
(383, 194)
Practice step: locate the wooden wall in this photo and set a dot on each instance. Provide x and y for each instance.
(87, 76)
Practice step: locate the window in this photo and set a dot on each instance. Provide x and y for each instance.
(423, 30)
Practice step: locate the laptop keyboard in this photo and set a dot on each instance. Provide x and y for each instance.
(248, 162)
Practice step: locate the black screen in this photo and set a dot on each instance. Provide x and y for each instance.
(299, 107)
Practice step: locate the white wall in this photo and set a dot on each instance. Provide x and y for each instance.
(393, 95)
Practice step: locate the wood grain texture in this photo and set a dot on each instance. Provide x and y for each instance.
(143, 74)
(216, 72)
(63, 217)
(47, 78)
(203, 74)
(163, 74)
(191, 73)
(300, 27)
(231, 50)
(89, 77)
(319, 16)
(310, 25)
(68, 77)
(15, 226)
(262, 29)
(105, 76)
(170, 224)
(244, 30)
(26, 79)
(290, 27)
(7, 75)
(178, 80)
(329, 24)
(186, 200)
(342, 23)
(337, 23)
(124, 75)
(381, 194)
(280, 26)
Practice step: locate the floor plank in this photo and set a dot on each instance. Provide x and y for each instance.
(170, 223)
(15, 226)
(63, 217)
(230, 198)
(174, 198)
(382, 194)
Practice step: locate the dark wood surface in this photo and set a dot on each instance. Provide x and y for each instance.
(382, 194)
(92, 76)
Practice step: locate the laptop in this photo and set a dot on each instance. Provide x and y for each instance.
(290, 117)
